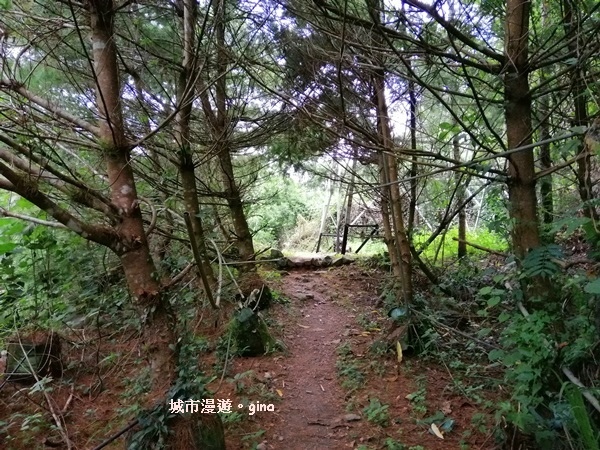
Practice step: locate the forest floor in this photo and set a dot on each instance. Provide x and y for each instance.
(329, 387)
(332, 389)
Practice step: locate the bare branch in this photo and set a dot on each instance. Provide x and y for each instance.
(46, 223)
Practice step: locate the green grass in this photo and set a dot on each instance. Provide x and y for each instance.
(449, 248)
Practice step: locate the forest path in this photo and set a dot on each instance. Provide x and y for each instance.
(328, 325)
(312, 413)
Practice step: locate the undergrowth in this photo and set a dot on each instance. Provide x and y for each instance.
(524, 329)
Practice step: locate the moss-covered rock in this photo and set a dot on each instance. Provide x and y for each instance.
(250, 334)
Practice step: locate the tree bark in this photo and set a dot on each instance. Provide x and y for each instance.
(400, 240)
(388, 234)
(398, 243)
(460, 198)
(221, 134)
(185, 96)
(546, 163)
(521, 170)
(414, 183)
(133, 248)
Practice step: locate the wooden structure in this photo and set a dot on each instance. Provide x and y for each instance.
(350, 214)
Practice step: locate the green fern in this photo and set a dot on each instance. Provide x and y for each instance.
(543, 261)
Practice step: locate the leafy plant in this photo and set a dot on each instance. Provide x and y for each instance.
(351, 373)
(253, 436)
(392, 444)
(588, 434)
(417, 400)
(542, 261)
(377, 412)
(527, 356)
(348, 369)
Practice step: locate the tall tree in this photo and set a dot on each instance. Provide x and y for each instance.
(186, 88)
(572, 11)
(517, 110)
(221, 128)
(69, 147)
(32, 175)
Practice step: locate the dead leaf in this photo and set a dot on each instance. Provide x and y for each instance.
(303, 326)
(279, 392)
(436, 431)
(399, 351)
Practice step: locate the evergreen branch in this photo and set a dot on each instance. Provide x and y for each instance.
(28, 189)
(18, 88)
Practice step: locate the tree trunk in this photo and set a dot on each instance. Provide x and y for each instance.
(185, 97)
(388, 234)
(414, 183)
(460, 199)
(349, 201)
(571, 25)
(221, 133)
(521, 170)
(133, 248)
(400, 239)
(236, 207)
(546, 163)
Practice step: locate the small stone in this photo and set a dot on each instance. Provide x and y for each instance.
(280, 438)
(268, 376)
(262, 446)
(352, 417)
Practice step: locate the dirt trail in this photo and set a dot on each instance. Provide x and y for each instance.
(313, 408)
(326, 309)
(311, 411)
(381, 405)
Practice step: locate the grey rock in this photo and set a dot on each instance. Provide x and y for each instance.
(352, 417)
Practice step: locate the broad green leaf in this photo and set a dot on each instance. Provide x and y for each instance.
(495, 354)
(493, 301)
(593, 287)
(503, 317)
(485, 290)
(6, 247)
